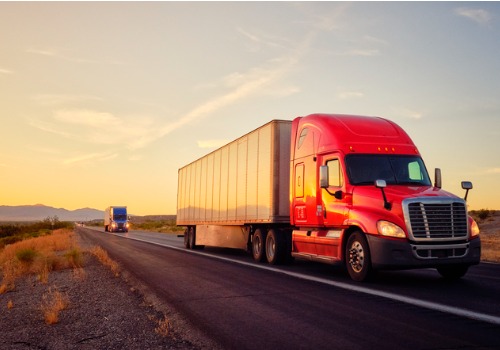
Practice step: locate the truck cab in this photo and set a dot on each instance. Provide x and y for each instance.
(116, 219)
(360, 195)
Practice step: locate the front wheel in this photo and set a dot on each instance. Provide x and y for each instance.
(358, 258)
(453, 272)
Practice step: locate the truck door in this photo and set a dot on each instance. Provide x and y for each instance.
(335, 208)
(302, 240)
(334, 197)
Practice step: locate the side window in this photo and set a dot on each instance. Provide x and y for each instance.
(334, 173)
(414, 171)
(302, 137)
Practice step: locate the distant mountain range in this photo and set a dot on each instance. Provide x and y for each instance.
(40, 212)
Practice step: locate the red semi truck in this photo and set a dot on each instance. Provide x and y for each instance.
(339, 189)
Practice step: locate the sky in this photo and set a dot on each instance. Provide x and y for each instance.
(102, 102)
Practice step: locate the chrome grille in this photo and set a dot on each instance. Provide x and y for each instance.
(437, 220)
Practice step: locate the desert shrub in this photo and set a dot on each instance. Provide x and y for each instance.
(26, 255)
(74, 257)
(482, 214)
(53, 302)
(39, 256)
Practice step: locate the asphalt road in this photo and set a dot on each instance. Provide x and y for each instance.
(245, 305)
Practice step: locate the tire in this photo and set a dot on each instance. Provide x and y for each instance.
(452, 272)
(186, 238)
(191, 238)
(275, 247)
(358, 258)
(259, 245)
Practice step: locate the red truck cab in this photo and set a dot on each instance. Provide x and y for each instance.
(360, 195)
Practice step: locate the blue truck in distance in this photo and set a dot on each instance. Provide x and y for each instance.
(116, 219)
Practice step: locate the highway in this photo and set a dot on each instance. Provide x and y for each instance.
(245, 305)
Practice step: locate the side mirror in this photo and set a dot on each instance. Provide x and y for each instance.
(380, 184)
(323, 177)
(383, 184)
(466, 185)
(437, 178)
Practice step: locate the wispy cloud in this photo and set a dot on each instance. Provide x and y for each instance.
(255, 42)
(493, 171)
(49, 127)
(361, 52)
(91, 157)
(61, 99)
(97, 127)
(211, 144)
(5, 71)
(59, 54)
(408, 113)
(344, 95)
(242, 85)
(477, 15)
(93, 119)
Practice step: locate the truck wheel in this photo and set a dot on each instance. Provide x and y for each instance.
(358, 259)
(258, 245)
(186, 238)
(274, 247)
(452, 272)
(191, 238)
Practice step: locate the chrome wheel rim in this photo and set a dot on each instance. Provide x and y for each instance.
(356, 256)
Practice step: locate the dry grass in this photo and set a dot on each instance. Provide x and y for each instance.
(10, 304)
(490, 247)
(53, 302)
(38, 256)
(489, 226)
(163, 328)
(104, 258)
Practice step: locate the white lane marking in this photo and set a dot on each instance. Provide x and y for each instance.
(408, 300)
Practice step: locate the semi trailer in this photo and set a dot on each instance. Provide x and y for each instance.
(116, 219)
(338, 189)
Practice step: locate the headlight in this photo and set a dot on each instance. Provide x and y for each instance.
(386, 228)
(113, 224)
(474, 229)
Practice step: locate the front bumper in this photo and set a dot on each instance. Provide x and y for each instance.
(396, 254)
(119, 228)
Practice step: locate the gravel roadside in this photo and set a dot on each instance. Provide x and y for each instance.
(103, 312)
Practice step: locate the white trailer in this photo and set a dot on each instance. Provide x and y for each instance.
(244, 183)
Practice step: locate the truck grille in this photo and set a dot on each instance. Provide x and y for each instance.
(437, 219)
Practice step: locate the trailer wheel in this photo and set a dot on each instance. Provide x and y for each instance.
(275, 247)
(258, 245)
(452, 272)
(191, 238)
(358, 258)
(186, 238)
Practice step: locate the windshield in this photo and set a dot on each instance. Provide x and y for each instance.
(120, 217)
(364, 169)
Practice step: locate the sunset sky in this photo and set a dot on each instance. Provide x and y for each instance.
(102, 103)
